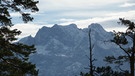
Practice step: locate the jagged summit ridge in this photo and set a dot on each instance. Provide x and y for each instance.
(62, 50)
(97, 28)
(62, 32)
(55, 32)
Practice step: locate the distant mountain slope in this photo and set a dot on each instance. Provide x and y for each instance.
(62, 50)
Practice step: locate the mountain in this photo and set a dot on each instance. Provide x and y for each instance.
(63, 50)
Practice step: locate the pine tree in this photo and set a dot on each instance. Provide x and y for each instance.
(108, 71)
(14, 57)
(121, 38)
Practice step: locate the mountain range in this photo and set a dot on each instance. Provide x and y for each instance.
(64, 50)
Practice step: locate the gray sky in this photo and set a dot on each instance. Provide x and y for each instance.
(80, 12)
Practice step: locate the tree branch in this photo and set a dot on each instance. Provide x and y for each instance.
(124, 50)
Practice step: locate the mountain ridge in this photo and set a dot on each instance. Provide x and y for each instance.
(62, 50)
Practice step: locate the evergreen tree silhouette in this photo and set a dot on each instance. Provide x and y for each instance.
(14, 57)
(120, 39)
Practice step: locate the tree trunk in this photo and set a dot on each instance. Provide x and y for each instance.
(91, 64)
(132, 59)
(91, 58)
(132, 65)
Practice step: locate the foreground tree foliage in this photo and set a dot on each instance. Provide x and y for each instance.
(121, 39)
(106, 71)
(125, 38)
(14, 57)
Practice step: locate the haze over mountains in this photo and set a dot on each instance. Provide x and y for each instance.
(63, 50)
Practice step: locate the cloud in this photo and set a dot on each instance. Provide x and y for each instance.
(51, 5)
(127, 5)
(65, 20)
(80, 12)
(126, 14)
(27, 29)
(103, 20)
(17, 14)
(84, 23)
(52, 10)
(108, 19)
(84, 14)
(109, 22)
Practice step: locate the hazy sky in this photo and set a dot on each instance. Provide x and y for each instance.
(80, 12)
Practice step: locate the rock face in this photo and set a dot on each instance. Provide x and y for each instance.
(63, 50)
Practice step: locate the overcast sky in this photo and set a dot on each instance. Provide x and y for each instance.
(80, 12)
